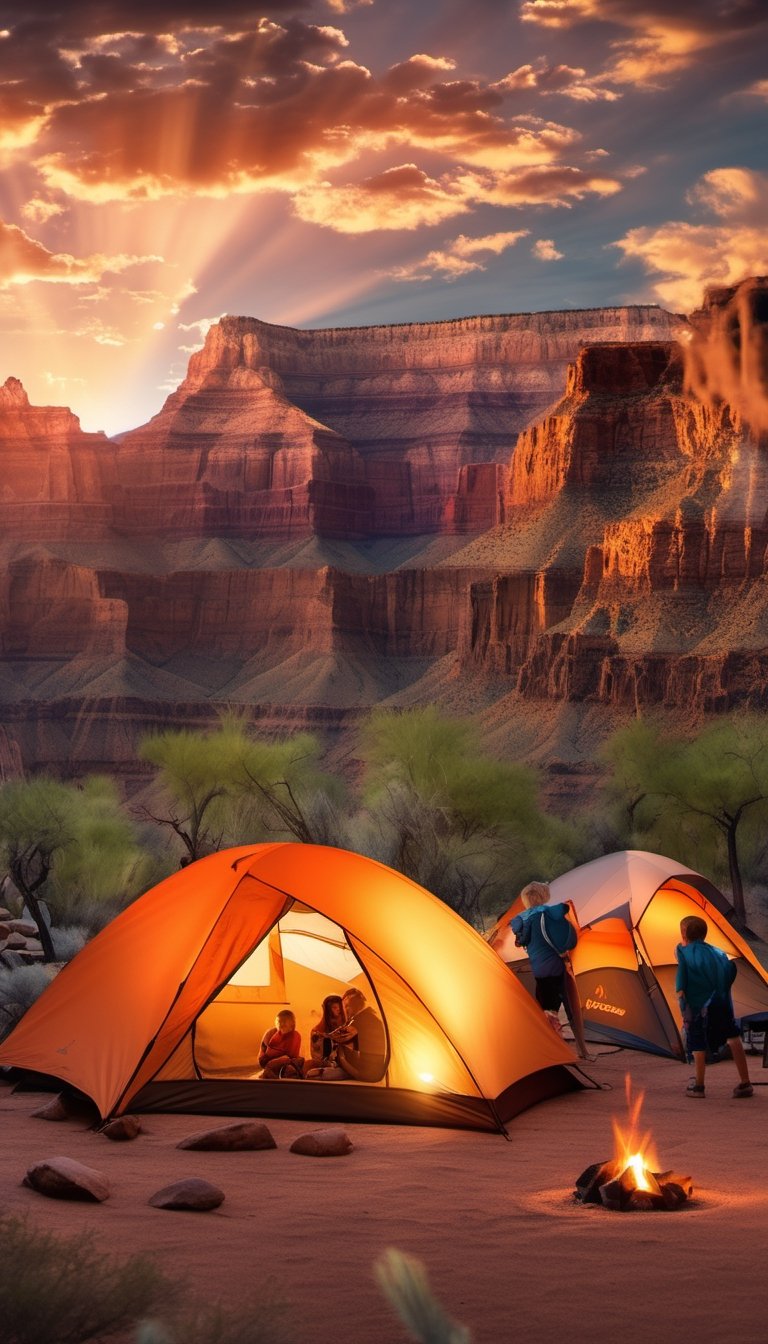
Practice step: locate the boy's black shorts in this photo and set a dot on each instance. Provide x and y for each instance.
(549, 991)
(711, 1027)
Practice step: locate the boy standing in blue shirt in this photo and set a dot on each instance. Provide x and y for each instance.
(703, 985)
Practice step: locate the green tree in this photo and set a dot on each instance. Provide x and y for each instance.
(696, 795)
(227, 786)
(64, 842)
(462, 823)
(633, 755)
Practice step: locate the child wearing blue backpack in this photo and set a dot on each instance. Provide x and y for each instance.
(548, 935)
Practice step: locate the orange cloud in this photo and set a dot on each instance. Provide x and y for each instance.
(759, 89)
(665, 38)
(689, 257)
(568, 81)
(544, 250)
(24, 260)
(275, 107)
(408, 198)
(399, 198)
(38, 211)
(457, 258)
(733, 193)
(556, 185)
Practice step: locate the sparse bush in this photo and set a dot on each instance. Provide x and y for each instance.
(231, 786)
(19, 987)
(68, 941)
(57, 1290)
(63, 1291)
(67, 845)
(255, 1323)
(465, 824)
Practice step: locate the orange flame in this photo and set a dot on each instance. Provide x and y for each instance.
(632, 1149)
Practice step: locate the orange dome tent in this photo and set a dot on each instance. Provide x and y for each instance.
(629, 906)
(165, 1008)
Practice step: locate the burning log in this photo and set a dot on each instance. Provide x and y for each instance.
(635, 1188)
(626, 1182)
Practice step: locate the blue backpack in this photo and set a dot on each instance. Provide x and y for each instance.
(559, 933)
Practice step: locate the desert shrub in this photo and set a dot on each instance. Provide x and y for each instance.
(465, 824)
(232, 786)
(68, 941)
(255, 1323)
(69, 846)
(63, 1291)
(19, 987)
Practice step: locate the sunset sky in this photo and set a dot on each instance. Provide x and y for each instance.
(341, 163)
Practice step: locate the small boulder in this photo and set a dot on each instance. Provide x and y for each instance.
(249, 1135)
(192, 1194)
(10, 958)
(64, 1178)
(68, 1105)
(5, 914)
(24, 927)
(53, 1110)
(15, 941)
(5, 929)
(323, 1143)
(123, 1128)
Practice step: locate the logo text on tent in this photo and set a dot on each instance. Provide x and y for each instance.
(605, 1007)
(599, 992)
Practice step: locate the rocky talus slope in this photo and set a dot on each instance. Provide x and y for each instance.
(496, 513)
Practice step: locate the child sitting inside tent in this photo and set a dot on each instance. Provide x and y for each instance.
(322, 1044)
(279, 1052)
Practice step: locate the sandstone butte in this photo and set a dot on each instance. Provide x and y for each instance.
(545, 518)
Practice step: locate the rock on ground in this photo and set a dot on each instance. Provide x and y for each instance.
(249, 1135)
(323, 1143)
(64, 1178)
(192, 1194)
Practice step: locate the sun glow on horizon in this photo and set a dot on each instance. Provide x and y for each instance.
(301, 171)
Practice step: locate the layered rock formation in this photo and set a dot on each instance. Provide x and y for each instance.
(230, 456)
(672, 606)
(349, 432)
(53, 611)
(543, 508)
(56, 481)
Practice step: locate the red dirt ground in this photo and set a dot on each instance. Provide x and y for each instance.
(506, 1249)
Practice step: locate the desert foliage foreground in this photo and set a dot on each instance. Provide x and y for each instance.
(63, 1290)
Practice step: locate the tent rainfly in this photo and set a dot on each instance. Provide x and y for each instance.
(164, 1009)
(629, 906)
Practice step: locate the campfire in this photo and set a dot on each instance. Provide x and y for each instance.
(628, 1181)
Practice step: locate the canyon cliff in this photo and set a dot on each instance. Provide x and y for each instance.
(352, 432)
(493, 513)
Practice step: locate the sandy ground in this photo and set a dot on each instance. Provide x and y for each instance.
(505, 1247)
